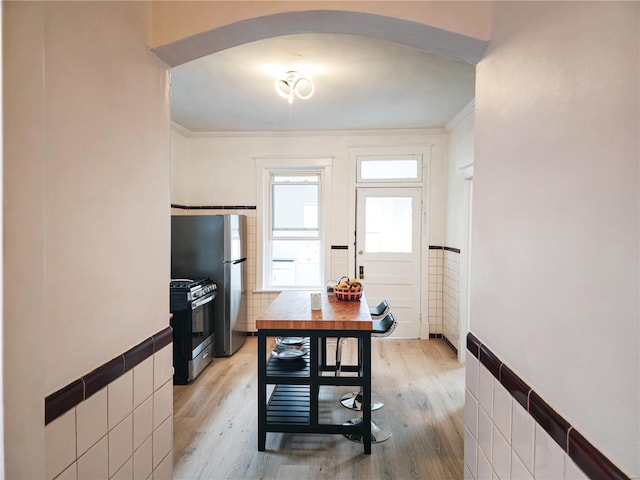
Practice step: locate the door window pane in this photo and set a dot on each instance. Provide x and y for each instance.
(388, 222)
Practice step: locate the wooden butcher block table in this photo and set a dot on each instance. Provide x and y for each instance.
(293, 405)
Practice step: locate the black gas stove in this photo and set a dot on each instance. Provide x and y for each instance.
(192, 323)
(186, 290)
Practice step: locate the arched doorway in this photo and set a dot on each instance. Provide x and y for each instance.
(418, 35)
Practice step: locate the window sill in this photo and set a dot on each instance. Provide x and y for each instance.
(279, 290)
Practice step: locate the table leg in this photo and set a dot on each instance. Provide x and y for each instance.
(262, 391)
(366, 391)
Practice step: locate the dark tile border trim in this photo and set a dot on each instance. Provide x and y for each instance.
(56, 403)
(473, 345)
(138, 354)
(67, 397)
(213, 207)
(591, 460)
(439, 247)
(513, 383)
(339, 247)
(102, 376)
(555, 425)
(489, 360)
(162, 339)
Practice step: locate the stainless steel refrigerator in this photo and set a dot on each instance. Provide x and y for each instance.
(214, 246)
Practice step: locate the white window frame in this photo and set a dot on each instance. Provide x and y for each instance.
(265, 166)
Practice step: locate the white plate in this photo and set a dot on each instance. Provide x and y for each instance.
(292, 341)
(289, 354)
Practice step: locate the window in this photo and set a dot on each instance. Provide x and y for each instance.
(294, 205)
(407, 168)
(388, 223)
(293, 250)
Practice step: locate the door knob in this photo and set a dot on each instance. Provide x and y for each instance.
(360, 252)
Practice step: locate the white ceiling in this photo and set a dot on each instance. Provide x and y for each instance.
(360, 83)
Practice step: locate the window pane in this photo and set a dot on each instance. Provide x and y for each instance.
(295, 178)
(295, 234)
(296, 263)
(388, 169)
(295, 207)
(388, 225)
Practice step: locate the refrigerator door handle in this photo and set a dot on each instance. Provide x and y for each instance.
(235, 262)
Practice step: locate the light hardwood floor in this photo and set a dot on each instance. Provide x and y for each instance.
(420, 382)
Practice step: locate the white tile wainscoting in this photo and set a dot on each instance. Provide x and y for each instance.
(436, 270)
(451, 297)
(257, 301)
(444, 294)
(505, 440)
(124, 430)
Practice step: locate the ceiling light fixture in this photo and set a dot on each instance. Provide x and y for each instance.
(295, 84)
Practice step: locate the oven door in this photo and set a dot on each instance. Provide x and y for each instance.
(201, 323)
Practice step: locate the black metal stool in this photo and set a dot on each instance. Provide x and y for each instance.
(376, 312)
(353, 400)
(381, 328)
(379, 310)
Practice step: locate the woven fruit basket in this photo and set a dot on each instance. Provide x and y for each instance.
(348, 290)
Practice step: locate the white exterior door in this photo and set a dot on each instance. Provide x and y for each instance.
(388, 238)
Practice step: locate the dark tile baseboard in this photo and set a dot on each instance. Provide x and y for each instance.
(451, 345)
(591, 460)
(445, 340)
(79, 390)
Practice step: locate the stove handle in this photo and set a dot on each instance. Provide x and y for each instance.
(201, 301)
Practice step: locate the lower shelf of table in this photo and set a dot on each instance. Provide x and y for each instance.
(290, 405)
(288, 410)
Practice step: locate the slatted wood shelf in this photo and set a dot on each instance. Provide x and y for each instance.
(289, 404)
(299, 368)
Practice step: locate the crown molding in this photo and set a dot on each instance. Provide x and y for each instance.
(185, 132)
(467, 110)
(176, 127)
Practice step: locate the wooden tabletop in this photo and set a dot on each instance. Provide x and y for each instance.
(291, 310)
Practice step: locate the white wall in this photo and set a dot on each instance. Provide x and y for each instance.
(556, 219)
(179, 177)
(460, 157)
(221, 168)
(459, 166)
(86, 201)
(2, 474)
